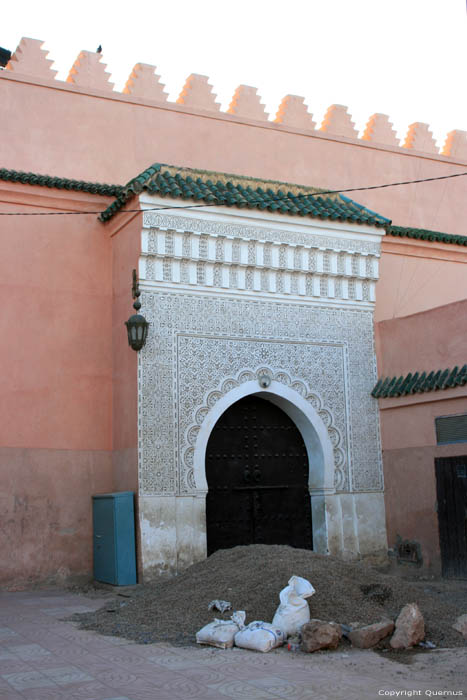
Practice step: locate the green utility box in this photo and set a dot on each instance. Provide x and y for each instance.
(114, 538)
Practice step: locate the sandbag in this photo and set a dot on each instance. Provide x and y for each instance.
(259, 636)
(221, 633)
(221, 605)
(293, 611)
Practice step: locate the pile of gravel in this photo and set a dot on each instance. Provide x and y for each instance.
(251, 577)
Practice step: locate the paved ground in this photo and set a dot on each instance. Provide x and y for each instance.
(45, 658)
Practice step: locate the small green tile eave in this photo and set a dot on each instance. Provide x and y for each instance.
(60, 183)
(421, 234)
(419, 382)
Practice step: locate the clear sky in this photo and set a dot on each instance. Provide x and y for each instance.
(404, 58)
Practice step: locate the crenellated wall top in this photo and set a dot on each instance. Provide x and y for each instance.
(89, 73)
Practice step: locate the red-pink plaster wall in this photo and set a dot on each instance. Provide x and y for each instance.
(403, 346)
(126, 244)
(431, 340)
(56, 282)
(110, 137)
(410, 497)
(46, 512)
(417, 276)
(56, 408)
(125, 234)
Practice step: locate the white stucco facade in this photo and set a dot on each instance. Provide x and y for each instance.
(232, 298)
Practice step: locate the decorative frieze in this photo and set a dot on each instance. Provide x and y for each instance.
(189, 257)
(265, 233)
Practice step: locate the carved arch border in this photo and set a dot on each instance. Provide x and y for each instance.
(305, 407)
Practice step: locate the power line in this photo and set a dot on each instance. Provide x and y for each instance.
(278, 198)
(395, 184)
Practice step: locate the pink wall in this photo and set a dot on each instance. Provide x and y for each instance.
(402, 342)
(409, 422)
(46, 512)
(125, 252)
(426, 341)
(410, 496)
(125, 233)
(56, 408)
(419, 275)
(57, 319)
(111, 137)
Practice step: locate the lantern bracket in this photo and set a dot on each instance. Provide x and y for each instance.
(137, 326)
(135, 291)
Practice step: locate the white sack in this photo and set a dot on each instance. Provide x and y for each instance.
(259, 636)
(221, 633)
(221, 605)
(293, 611)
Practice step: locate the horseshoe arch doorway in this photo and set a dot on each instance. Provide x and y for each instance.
(257, 472)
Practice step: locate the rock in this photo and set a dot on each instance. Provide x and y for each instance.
(347, 629)
(410, 627)
(460, 625)
(370, 635)
(318, 634)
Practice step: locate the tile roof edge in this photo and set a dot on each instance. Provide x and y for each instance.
(133, 187)
(137, 184)
(61, 183)
(419, 382)
(232, 177)
(364, 208)
(427, 235)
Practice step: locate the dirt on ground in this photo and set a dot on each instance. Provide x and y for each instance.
(251, 577)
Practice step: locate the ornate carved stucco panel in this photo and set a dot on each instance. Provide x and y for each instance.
(197, 341)
(189, 435)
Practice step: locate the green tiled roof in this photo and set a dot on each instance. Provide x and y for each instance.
(205, 187)
(420, 382)
(61, 183)
(425, 235)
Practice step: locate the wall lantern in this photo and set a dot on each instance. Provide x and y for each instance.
(137, 326)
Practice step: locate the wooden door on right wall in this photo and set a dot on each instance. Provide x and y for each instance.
(451, 488)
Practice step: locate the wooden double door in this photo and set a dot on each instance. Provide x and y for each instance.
(451, 487)
(257, 474)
